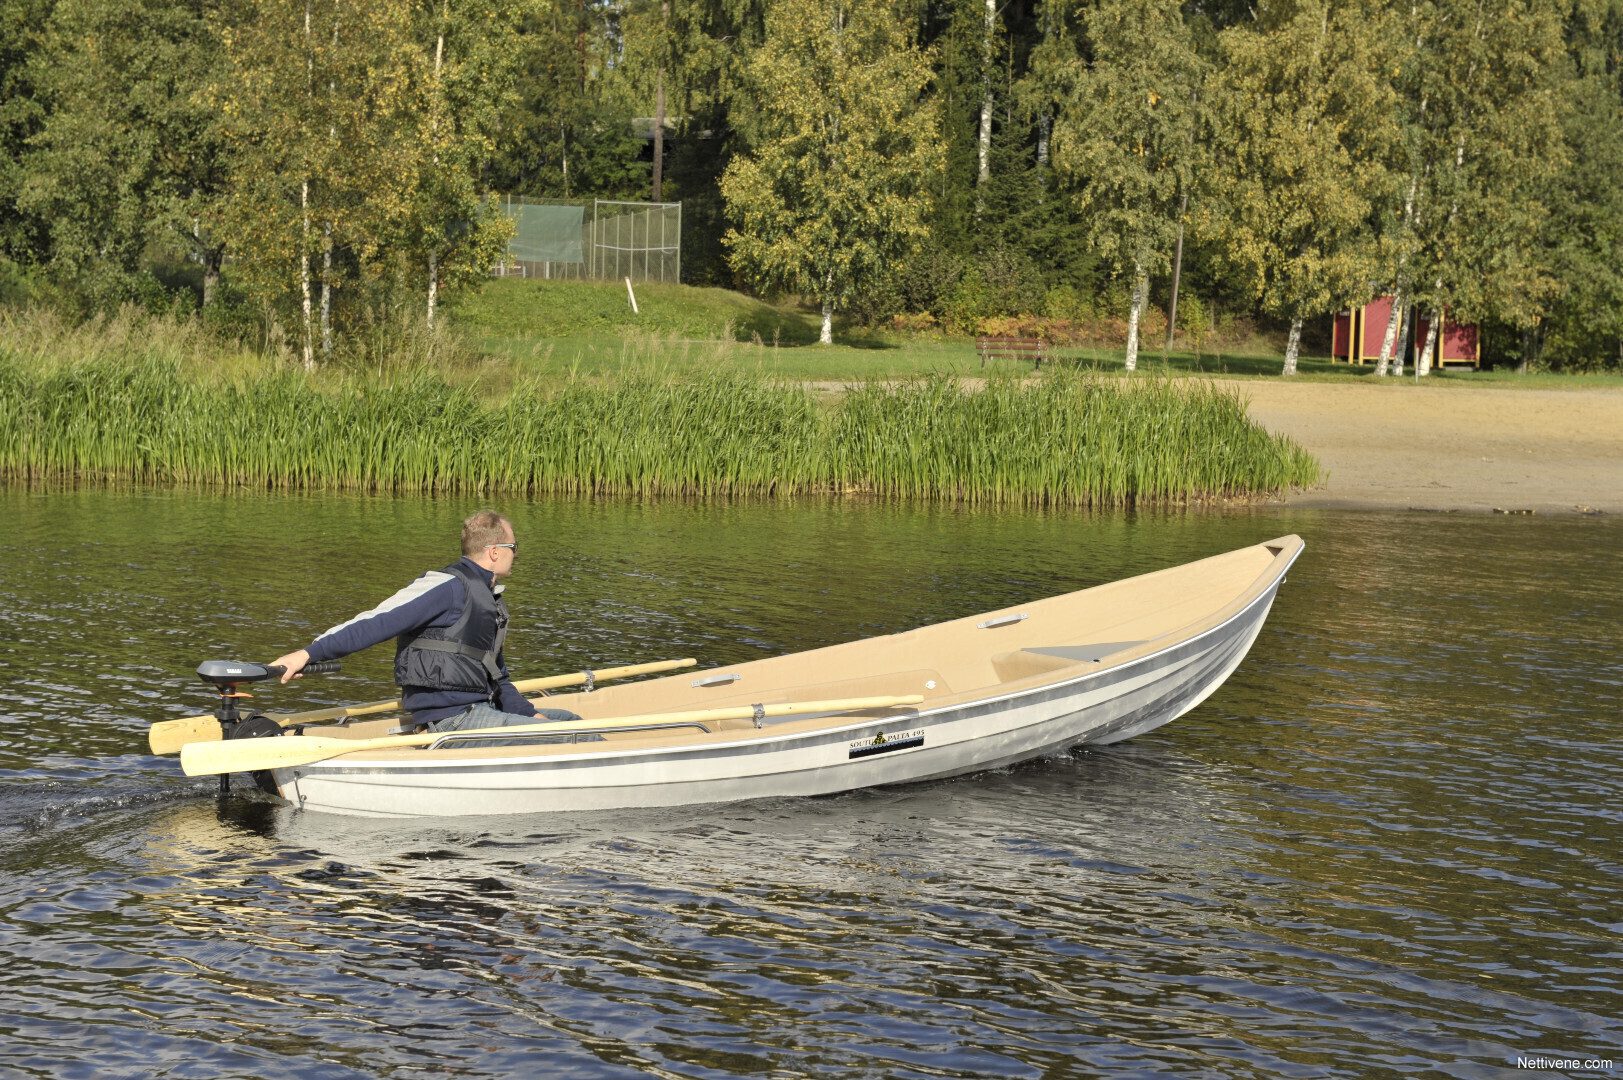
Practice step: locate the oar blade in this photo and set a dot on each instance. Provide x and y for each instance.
(251, 755)
(168, 736)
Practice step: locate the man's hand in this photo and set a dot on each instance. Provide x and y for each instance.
(291, 664)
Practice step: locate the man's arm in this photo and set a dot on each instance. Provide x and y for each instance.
(514, 702)
(425, 602)
(510, 699)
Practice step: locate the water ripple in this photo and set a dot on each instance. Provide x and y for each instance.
(1386, 847)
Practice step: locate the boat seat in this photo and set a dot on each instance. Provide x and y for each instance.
(1090, 653)
(1024, 663)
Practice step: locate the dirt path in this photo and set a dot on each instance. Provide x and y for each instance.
(1433, 447)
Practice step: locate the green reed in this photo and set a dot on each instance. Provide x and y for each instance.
(1066, 438)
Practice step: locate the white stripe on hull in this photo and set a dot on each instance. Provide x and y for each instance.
(1098, 708)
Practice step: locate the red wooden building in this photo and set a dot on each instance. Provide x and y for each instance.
(1359, 332)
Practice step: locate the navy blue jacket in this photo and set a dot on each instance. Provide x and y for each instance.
(433, 600)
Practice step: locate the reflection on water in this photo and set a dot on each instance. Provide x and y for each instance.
(1387, 846)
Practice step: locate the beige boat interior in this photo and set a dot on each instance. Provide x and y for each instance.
(949, 663)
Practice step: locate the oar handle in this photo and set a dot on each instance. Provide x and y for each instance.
(320, 667)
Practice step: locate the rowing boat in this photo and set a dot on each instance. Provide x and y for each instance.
(1087, 668)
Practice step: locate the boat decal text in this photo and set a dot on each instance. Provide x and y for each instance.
(884, 744)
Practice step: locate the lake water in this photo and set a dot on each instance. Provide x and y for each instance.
(1388, 846)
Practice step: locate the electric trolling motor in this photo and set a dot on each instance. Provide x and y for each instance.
(225, 676)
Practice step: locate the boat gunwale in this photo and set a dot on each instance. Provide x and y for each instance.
(1291, 547)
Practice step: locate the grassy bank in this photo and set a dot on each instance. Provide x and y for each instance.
(1067, 439)
(555, 327)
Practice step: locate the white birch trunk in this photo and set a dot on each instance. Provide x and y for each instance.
(1397, 300)
(985, 140)
(1423, 365)
(1140, 287)
(1292, 345)
(304, 210)
(1383, 365)
(827, 336)
(326, 233)
(326, 294)
(434, 134)
(433, 285)
(1398, 350)
(304, 279)
(1045, 122)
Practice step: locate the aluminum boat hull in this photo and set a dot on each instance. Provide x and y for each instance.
(1106, 700)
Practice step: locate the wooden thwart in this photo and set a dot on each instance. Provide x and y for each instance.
(287, 751)
(170, 736)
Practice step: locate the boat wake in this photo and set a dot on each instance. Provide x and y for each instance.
(53, 804)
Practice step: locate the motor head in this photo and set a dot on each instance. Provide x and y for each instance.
(231, 672)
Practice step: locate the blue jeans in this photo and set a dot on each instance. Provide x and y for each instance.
(482, 715)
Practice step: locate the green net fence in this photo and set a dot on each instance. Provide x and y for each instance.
(603, 239)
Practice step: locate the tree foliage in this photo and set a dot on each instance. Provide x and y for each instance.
(836, 188)
(1040, 156)
(1124, 136)
(125, 155)
(1299, 138)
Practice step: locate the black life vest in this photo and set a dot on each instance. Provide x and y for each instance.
(463, 656)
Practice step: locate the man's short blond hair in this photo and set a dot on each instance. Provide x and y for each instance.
(483, 529)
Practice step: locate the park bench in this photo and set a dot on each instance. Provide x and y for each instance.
(1012, 348)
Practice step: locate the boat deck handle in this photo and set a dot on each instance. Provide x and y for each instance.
(1002, 620)
(718, 680)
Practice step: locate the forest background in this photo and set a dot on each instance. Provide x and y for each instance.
(311, 172)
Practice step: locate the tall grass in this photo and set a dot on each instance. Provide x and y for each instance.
(1068, 438)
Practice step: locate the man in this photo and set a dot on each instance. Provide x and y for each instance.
(449, 627)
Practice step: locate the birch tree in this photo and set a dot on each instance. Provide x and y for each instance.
(1121, 136)
(1482, 144)
(316, 100)
(1301, 130)
(471, 56)
(983, 140)
(836, 190)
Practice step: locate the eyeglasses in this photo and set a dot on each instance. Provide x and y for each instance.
(513, 545)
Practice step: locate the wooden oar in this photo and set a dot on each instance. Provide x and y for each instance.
(169, 736)
(251, 755)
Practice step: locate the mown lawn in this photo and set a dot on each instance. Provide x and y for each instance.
(553, 328)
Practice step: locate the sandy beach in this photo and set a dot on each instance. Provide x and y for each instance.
(1438, 447)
